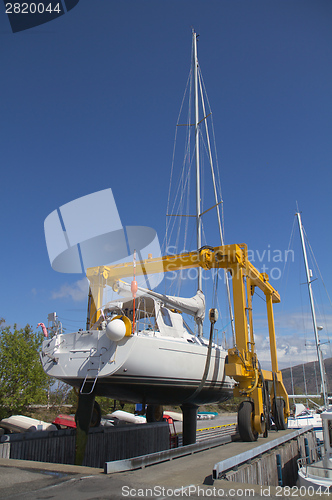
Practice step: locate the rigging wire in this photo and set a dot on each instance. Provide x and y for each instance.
(292, 380)
(213, 135)
(306, 345)
(215, 289)
(183, 188)
(262, 298)
(320, 274)
(284, 285)
(284, 274)
(66, 319)
(178, 205)
(321, 310)
(174, 146)
(316, 378)
(184, 179)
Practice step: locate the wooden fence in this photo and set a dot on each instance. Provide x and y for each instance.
(104, 444)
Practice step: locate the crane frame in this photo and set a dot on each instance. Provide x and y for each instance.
(242, 363)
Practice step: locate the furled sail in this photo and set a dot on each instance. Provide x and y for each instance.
(194, 306)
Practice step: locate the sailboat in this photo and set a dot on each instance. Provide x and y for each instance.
(315, 469)
(316, 474)
(139, 349)
(302, 416)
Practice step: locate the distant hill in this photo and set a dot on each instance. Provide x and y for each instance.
(312, 377)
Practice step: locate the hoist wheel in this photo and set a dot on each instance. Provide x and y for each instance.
(278, 414)
(154, 413)
(245, 421)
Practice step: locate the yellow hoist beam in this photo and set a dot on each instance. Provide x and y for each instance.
(226, 256)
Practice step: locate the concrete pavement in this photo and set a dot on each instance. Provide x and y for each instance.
(186, 477)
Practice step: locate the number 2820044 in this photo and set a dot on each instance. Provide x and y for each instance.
(32, 8)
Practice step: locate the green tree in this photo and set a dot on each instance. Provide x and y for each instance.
(22, 378)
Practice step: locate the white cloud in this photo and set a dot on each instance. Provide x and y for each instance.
(77, 291)
(291, 351)
(295, 340)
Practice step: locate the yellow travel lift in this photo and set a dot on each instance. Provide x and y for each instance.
(242, 364)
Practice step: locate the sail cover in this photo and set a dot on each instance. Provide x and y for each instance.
(195, 306)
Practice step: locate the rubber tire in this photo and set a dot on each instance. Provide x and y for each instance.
(96, 415)
(154, 413)
(244, 420)
(278, 414)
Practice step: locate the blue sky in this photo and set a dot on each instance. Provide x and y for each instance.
(90, 101)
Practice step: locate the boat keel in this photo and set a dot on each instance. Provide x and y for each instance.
(83, 418)
(189, 426)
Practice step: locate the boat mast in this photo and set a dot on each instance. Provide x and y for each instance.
(313, 314)
(197, 90)
(198, 181)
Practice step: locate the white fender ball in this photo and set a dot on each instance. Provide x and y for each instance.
(116, 330)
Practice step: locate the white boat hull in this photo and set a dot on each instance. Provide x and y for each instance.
(319, 479)
(312, 420)
(316, 472)
(140, 368)
(21, 423)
